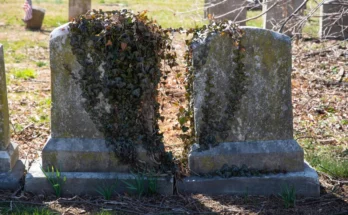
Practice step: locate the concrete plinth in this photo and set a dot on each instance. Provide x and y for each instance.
(11, 180)
(84, 155)
(306, 183)
(86, 183)
(9, 157)
(276, 155)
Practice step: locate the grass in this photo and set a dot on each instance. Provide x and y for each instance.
(22, 50)
(55, 178)
(23, 209)
(106, 190)
(256, 22)
(24, 74)
(330, 159)
(41, 64)
(288, 196)
(169, 13)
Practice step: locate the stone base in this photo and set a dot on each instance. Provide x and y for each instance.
(9, 157)
(86, 183)
(306, 183)
(11, 180)
(274, 155)
(84, 155)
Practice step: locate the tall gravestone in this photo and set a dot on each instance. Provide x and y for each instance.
(76, 147)
(78, 7)
(234, 10)
(275, 17)
(11, 170)
(334, 20)
(243, 118)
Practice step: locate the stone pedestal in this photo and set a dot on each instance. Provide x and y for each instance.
(76, 147)
(78, 7)
(272, 155)
(243, 117)
(11, 170)
(276, 16)
(334, 20)
(35, 23)
(305, 183)
(86, 183)
(234, 10)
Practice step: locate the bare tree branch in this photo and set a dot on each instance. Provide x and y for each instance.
(255, 17)
(296, 11)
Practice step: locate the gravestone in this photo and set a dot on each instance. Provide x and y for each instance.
(78, 7)
(234, 10)
(276, 16)
(243, 118)
(35, 23)
(11, 170)
(334, 20)
(76, 146)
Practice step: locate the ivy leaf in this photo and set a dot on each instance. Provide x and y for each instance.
(123, 46)
(184, 128)
(181, 109)
(183, 120)
(109, 43)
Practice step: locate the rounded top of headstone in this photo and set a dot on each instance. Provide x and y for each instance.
(39, 9)
(249, 32)
(256, 31)
(60, 31)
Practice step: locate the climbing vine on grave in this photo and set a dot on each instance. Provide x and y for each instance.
(237, 79)
(120, 54)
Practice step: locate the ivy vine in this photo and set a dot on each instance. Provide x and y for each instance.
(237, 78)
(120, 54)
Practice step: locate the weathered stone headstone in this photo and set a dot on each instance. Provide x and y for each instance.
(334, 20)
(11, 170)
(276, 16)
(35, 23)
(243, 117)
(78, 7)
(234, 10)
(76, 146)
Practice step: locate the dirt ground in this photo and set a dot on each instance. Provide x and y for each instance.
(320, 101)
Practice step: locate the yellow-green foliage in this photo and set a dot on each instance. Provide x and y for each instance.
(332, 160)
(24, 73)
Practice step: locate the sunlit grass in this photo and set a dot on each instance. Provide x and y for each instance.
(24, 74)
(168, 13)
(330, 159)
(256, 22)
